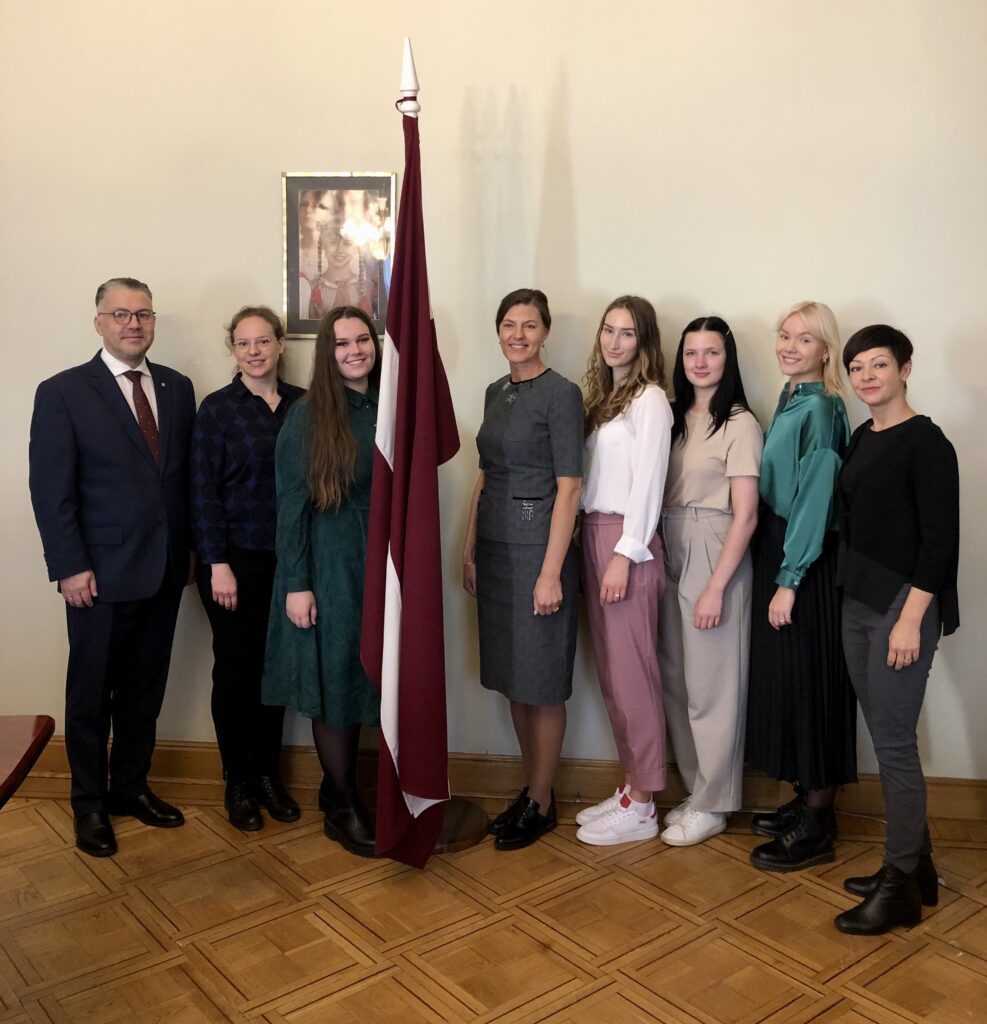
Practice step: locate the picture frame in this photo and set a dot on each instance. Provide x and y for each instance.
(338, 241)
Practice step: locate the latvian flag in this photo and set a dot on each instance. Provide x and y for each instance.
(402, 643)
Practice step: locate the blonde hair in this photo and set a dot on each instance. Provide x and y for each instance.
(603, 401)
(821, 322)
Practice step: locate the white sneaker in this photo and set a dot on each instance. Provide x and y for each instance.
(620, 825)
(694, 827)
(676, 814)
(588, 814)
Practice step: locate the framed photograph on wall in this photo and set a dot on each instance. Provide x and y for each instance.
(338, 241)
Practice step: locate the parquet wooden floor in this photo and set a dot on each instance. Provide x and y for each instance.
(205, 924)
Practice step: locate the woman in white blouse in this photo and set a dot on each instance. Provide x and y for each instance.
(628, 427)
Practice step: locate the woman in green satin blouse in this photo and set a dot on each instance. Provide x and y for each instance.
(801, 711)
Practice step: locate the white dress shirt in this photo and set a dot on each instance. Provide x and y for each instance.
(118, 368)
(626, 460)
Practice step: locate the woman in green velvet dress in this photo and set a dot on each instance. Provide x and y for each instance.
(323, 466)
(801, 711)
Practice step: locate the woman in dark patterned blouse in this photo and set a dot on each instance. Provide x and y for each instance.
(233, 517)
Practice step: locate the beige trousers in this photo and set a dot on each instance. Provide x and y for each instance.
(704, 672)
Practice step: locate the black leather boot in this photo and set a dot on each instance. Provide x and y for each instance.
(808, 842)
(242, 808)
(509, 813)
(925, 876)
(777, 823)
(325, 789)
(529, 826)
(895, 901)
(347, 821)
(276, 799)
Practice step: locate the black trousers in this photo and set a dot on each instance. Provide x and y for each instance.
(248, 732)
(119, 654)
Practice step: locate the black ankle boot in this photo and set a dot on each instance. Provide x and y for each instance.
(777, 823)
(925, 875)
(325, 801)
(242, 808)
(896, 900)
(808, 842)
(272, 795)
(347, 821)
(509, 813)
(528, 826)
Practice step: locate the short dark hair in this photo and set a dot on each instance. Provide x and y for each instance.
(878, 336)
(122, 282)
(525, 297)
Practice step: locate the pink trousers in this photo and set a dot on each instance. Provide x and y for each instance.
(625, 644)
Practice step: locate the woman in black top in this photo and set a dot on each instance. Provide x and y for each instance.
(233, 518)
(899, 495)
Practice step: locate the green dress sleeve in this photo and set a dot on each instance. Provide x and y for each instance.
(294, 505)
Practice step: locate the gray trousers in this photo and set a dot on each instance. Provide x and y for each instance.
(704, 671)
(891, 701)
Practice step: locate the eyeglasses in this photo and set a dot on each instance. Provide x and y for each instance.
(124, 316)
(241, 346)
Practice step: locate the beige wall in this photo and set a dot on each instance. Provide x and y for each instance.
(727, 157)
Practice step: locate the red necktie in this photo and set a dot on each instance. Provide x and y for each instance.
(145, 418)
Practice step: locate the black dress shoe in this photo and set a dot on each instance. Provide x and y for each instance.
(274, 797)
(348, 822)
(509, 813)
(925, 876)
(809, 842)
(242, 808)
(529, 826)
(94, 834)
(895, 901)
(147, 808)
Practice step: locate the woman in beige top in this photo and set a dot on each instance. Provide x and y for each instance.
(709, 515)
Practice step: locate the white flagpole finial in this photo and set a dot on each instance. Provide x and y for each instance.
(408, 104)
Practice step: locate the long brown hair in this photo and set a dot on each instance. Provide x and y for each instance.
(330, 442)
(604, 401)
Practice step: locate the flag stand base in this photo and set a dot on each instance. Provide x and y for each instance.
(464, 824)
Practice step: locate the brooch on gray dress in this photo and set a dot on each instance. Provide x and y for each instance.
(512, 390)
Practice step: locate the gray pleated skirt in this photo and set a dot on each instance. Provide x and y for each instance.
(526, 657)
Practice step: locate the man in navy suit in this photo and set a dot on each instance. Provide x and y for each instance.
(109, 484)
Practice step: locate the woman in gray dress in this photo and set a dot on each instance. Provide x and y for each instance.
(518, 560)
